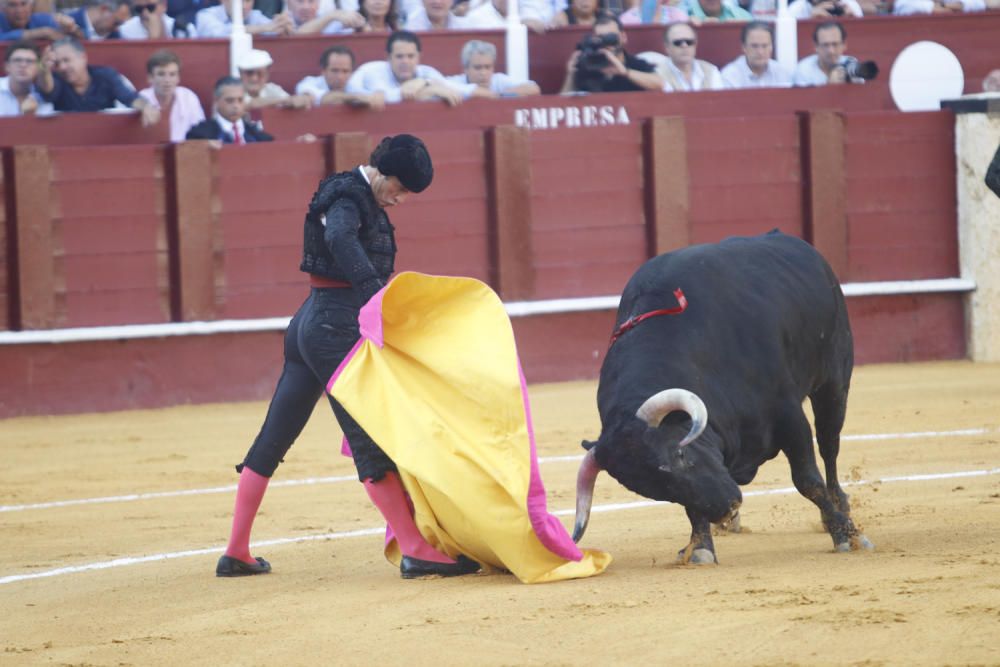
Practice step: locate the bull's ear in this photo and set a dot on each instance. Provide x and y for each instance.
(588, 444)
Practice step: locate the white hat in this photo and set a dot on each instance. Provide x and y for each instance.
(255, 59)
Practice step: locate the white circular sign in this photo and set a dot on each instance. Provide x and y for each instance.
(923, 74)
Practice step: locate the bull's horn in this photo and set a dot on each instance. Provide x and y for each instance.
(661, 404)
(585, 478)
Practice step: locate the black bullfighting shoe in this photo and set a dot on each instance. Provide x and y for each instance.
(234, 567)
(414, 568)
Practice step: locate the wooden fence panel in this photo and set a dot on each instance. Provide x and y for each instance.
(901, 202)
(109, 235)
(588, 209)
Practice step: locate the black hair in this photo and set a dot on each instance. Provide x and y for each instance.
(22, 45)
(829, 24)
(755, 25)
(341, 50)
(223, 82)
(401, 36)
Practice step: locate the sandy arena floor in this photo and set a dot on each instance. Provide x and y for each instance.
(129, 579)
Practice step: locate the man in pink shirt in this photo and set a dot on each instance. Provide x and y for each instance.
(174, 101)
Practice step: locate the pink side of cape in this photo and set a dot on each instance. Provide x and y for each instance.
(548, 528)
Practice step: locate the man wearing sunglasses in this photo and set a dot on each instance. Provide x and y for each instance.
(150, 21)
(681, 70)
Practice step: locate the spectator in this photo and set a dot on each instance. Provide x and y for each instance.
(827, 65)
(179, 104)
(402, 77)
(433, 15)
(681, 70)
(307, 20)
(703, 11)
(379, 15)
(605, 66)
(904, 7)
(66, 80)
(18, 94)
(330, 86)
(255, 73)
(824, 9)
(217, 22)
(228, 124)
(756, 68)
(492, 15)
(19, 20)
(579, 12)
(152, 22)
(101, 19)
(655, 11)
(184, 11)
(480, 78)
(991, 82)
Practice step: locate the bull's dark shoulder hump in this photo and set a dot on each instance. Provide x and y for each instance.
(759, 306)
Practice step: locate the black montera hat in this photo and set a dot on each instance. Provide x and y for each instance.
(405, 157)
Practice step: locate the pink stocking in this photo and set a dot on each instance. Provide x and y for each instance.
(249, 493)
(390, 499)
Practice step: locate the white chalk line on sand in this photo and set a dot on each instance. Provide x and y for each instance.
(311, 481)
(615, 507)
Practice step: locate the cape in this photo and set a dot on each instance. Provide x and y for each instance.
(435, 380)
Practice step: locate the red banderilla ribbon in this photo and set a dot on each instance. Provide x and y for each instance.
(631, 322)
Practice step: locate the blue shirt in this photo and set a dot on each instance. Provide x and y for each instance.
(106, 87)
(39, 20)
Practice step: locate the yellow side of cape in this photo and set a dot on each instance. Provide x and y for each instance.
(443, 396)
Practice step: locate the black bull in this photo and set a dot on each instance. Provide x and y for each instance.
(692, 403)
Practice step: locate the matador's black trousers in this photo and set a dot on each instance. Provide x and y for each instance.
(318, 338)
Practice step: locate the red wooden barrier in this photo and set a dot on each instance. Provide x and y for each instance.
(587, 204)
(262, 194)
(109, 231)
(746, 177)
(901, 202)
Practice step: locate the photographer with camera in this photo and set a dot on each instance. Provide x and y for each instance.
(600, 63)
(824, 9)
(830, 65)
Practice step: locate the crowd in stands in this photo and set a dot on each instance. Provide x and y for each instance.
(47, 70)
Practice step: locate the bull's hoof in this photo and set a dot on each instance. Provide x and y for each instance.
(696, 557)
(857, 543)
(728, 526)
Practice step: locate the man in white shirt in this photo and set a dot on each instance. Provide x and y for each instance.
(255, 73)
(401, 76)
(480, 78)
(18, 95)
(433, 15)
(906, 7)
(152, 22)
(330, 86)
(492, 15)
(824, 9)
(216, 21)
(682, 71)
(827, 65)
(756, 68)
(307, 20)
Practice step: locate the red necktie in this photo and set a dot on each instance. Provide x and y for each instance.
(237, 137)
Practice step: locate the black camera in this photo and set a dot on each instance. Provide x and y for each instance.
(591, 50)
(836, 10)
(859, 69)
(589, 75)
